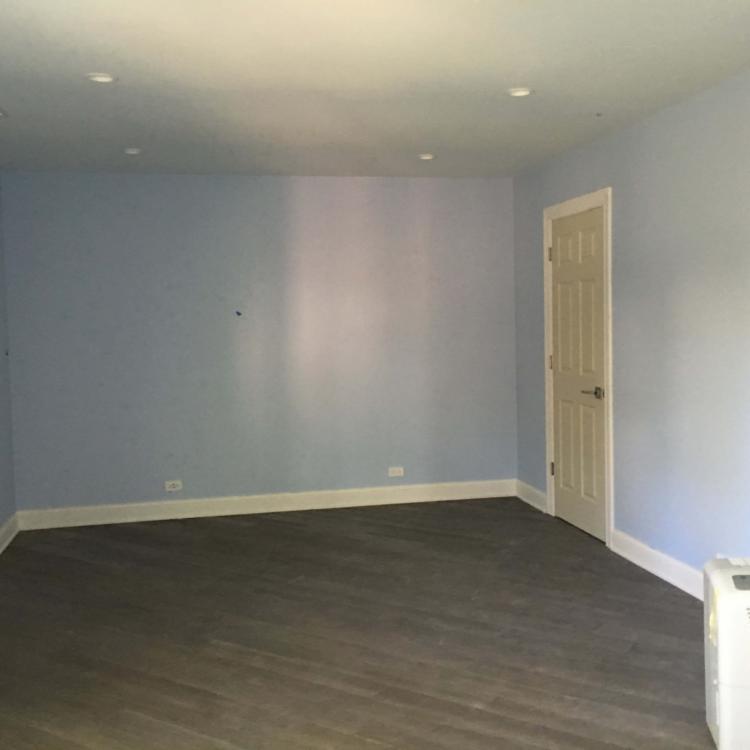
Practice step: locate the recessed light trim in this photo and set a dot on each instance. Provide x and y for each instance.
(426, 156)
(133, 150)
(101, 77)
(519, 91)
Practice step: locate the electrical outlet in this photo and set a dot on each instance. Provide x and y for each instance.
(395, 471)
(173, 485)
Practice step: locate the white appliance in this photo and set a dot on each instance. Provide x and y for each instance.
(727, 634)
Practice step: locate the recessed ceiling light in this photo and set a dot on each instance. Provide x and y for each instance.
(101, 77)
(519, 91)
(133, 150)
(427, 157)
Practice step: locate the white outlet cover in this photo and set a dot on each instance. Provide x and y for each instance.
(395, 471)
(173, 485)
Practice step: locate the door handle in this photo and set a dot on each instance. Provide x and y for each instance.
(596, 393)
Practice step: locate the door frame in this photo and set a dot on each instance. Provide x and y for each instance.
(600, 198)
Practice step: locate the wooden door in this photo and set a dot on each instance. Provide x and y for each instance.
(578, 365)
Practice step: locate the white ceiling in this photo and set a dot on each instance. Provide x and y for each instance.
(345, 87)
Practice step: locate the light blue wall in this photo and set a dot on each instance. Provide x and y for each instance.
(377, 329)
(7, 505)
(681, 301)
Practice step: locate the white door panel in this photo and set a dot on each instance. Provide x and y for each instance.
(579, 369)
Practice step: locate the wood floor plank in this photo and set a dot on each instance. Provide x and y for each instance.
(471, 625)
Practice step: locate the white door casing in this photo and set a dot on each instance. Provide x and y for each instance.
(578, 361)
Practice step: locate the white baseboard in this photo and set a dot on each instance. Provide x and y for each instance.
(52, 518)
(531, 495)
(669, 569)
(679, 574)
(8, 531)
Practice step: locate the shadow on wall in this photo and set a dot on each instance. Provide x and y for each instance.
(682, 426)
(358, 366)
(361, 332)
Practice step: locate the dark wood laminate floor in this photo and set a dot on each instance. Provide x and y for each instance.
(470, 625)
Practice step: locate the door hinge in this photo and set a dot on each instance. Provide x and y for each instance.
(549, 253)
(551, 366)
(552, 468)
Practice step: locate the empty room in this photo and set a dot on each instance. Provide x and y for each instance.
(373, 375)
